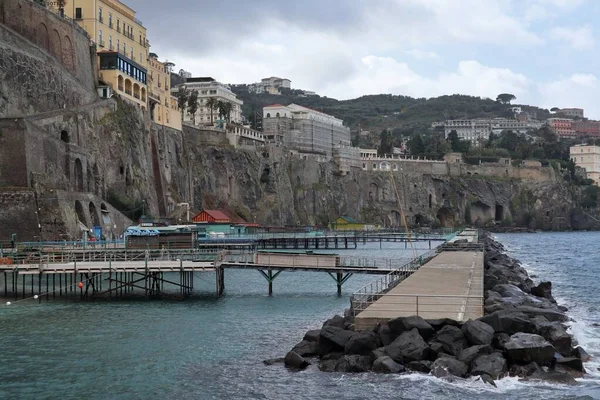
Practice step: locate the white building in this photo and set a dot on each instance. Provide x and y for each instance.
(522, 127)
(588, 158)
(277, 82)
(304, 130)
(209, 88)
(473, 130)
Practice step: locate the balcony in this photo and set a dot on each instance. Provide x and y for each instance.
(101, 43)
(137, 96)
(128, 91)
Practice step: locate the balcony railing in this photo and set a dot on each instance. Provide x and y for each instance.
(110, 47)
(137, 96)
(101, 43)
(121, 88)
(128, 91)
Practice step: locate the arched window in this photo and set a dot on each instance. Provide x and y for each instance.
(277, 115)
(268, 115)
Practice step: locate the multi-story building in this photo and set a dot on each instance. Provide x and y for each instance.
(563, 127)
(304, 130)
(585, 128)
(571, 112)
(163, 105)
(209, 88)
(474, 130)
(588, 158)
(276, 82)
(121, 44)
(515, 125)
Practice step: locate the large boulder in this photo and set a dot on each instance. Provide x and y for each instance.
(353, 363)
(273, 361)
(385, 365)
(439, 323)
(579, 352)
(500, 339)
(335, 337)
(452, 339)
(556, 334)
(327, 365)
(306, 348)
(550, 314)
(509, 321)
(312, 335)
(524, 348)
(544, 290)
(423, 366)
(386, 335)
(571, 363)
(337, 321)
(362, 343)
(493, 365)
(471, 353)
(559, 377)
(477, 332)
(445, 366)
(523, 371)
(409, 346)
(293, 360)
(404, 324)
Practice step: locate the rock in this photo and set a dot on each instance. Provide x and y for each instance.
(488, 379)
(493, 365)
(423, 366)
(508, 290)
(409, 346)
(471, 353)
(273, 361)
(446, 366)
(404, 324)
(333, 356)
(573, 363)
(580, 353)
(385, 365)
(439, 323)
(379, 352)
(551, 315)
(509, 321)
(500, 340)
(312, 336)
(554, 376)
(452, 339)
(557, 336)
(362, 343)
(337, 321)
(334, 336)
(523, 371)
(306, 349)
(544, 290)
(293, 360)
(386, 335)
(436, 348)
(477, 332)
(327, 365)
(523, 348)
(353, 363)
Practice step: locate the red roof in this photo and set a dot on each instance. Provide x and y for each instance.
(211, 216)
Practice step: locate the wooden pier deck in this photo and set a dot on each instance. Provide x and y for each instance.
(449, 286)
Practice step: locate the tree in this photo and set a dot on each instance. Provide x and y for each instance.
(225, 109)
(505, 98)
(182, 97)
(192, 105)
(211, 103)
(457, 144)
(416, 145)
(555, 109)
(386, 143)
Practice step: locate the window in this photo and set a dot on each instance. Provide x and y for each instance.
(118, 44)
(110, 20)
(100, 42)
(118, 26)
(141, 57)
(78, 13)
(100, 14)
(131, 53)
(110, 42)
(124, 48)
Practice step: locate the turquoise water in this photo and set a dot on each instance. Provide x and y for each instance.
(206, 348)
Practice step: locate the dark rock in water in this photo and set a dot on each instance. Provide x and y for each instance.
(312, 336)
(337, 337)
(379, 352)
(446, 366)
(327, 365)
(439, 323)
(333, 356)
(423, 366)
(500, 340)
(508, 290)
(509, 321)
(551, 315)
(409, 346)
(293, 360)
(523, 348)
(579, 352)
(493, 365)
(353, 363)
(573, 363)
(273, 361)
(523, 371)
(306, 349)
(452, 339)
(557, 336)
(362, 343)
(386, 335)
(488, 379)
(477, 332)
(544, 290)
(554, 377)
(471, 353)
(337, 321)
(385, 365)
(404, 324)
(436, 348)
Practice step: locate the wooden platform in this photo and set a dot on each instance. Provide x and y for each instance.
(449, 286)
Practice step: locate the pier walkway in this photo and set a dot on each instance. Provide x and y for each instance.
(450, 285)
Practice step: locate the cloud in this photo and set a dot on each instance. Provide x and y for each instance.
(577, 38)
(577, 90)
(422, 54)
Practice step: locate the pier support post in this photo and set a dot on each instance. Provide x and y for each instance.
(220, 280)
(340, 278)
(270, 277)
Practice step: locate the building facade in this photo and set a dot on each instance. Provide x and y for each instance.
(304, 130)
(208, 88)
(563, 127)
(584, 128)
(588, 158)
(572, 112)
(163, 105)
(474, 130)
(121, 44)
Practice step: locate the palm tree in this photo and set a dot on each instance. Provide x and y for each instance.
(192, 104)
(182, 98)
(225, 108)
(211, 103)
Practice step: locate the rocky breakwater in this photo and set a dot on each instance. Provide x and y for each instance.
(523, 333)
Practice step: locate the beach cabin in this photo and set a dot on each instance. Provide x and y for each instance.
(345, 223)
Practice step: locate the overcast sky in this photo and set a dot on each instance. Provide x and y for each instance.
(542, 51)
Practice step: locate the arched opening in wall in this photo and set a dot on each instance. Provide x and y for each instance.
(373, 192)
(94, 215)
(120, 82)
(268, 115)
(395, 167)
(81, 214)
(446, 217)
(384, 166)
(55, 45)
(144, 98)
(480, 213)
(277, 115)
(420, 220)
(430, 197)
(128, 86)
(121, 169)
(43, 38)
(395, 218)
(128, 174)
(499, 213)
(136, 91)
(78, 175)
(68, 54)
(64, 136)
(97, 182)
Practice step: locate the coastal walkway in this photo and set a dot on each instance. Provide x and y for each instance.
(450, 285)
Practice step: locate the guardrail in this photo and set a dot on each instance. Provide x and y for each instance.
(427, 305)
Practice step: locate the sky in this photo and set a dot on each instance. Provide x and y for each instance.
(545, 52)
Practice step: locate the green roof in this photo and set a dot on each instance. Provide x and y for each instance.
(349, 220)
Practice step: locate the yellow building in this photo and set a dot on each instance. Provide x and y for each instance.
(345, 223)
(163, 105)
(588, 158)
(121, 44)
